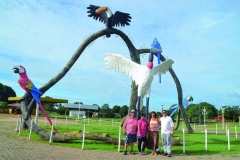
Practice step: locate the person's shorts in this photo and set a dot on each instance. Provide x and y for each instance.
(130, 138)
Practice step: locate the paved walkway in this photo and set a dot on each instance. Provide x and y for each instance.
(14, 147)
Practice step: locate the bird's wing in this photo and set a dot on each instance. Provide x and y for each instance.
(163, 67)
(102, 17)
(121, 19)
(118, 63)
(32, 88)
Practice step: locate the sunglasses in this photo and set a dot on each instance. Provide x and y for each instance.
(163, 112)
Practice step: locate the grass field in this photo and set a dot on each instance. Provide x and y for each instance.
(195, 143)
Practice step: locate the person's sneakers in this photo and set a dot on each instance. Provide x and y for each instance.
(143, 153)
(164, 154)
(169, 155)
(158, 151)
(125, 153)
(131, 152)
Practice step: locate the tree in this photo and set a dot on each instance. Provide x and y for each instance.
(232, 113)
(123, 110)
(143, 110)
(51, 107)
(5, 92)
(105, 110)
(195, 111)
(192, 111)
(3, 105)
(116, 109)
(60, 109)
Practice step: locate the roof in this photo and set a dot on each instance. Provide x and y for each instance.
(83, 106)
(15, 105)
(43, 99)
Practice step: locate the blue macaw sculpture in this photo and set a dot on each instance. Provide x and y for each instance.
(185, 102)
(156, 50)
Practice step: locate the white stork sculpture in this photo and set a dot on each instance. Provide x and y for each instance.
(142, 75)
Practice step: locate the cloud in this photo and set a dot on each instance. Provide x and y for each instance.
(201, 39)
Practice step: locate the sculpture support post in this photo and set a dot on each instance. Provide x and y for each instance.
(37, 113)
(147, 108)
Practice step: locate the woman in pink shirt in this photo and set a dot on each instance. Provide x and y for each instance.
(142, 134)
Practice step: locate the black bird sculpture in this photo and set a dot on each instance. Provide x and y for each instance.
(105, 15)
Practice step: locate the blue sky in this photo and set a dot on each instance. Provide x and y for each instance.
(202, 37)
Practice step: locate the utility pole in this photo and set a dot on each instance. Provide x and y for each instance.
(223, 108)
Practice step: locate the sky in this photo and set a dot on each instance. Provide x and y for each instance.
(201, 37)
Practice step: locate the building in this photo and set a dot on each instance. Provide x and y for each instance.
(219, 119)
(81, 110)
(15, 108)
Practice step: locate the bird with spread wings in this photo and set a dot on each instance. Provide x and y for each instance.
(142, 75)
(105, 15)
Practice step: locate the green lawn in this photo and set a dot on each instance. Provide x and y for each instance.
(195, 143)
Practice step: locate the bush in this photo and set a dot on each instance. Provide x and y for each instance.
(3, 105)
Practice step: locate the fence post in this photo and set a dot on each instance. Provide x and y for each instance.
(216, 129)
(66, 121)
(37, 113)
(30, 130)
(236, 131)
(84, 130)
(55, 120)
(226, 130)
(206, 147)
(20, 124)
(228, 140)
(184, 141)
(119, 139)
(16, 130)
(51, 134)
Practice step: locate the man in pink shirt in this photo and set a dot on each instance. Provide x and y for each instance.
(130, 129)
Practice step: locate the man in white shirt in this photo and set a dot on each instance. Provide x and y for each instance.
(167, 130)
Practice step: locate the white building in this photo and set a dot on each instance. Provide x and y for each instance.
(80, 110)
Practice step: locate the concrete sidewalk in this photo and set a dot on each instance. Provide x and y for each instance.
(14, 147)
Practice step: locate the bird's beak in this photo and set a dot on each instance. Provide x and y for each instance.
(15, 70)
(101, 10)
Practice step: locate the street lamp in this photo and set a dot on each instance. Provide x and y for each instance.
(204, 114)
(199, 112)
(79, 110)
(223, 108)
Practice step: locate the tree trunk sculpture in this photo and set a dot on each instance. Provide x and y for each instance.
(135, 56)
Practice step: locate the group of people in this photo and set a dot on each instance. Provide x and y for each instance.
(146, 132)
